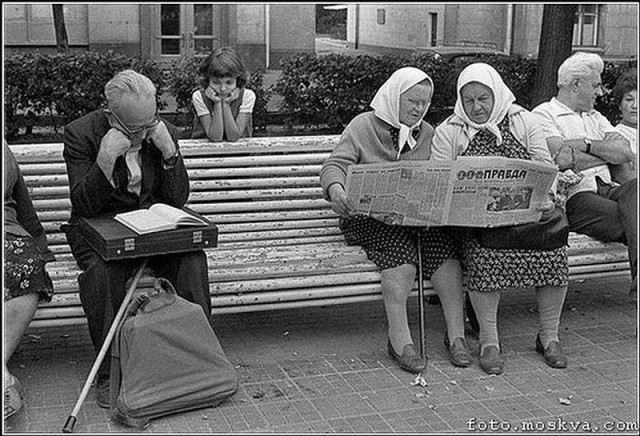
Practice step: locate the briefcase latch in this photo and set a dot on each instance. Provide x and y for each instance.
(197, 237)
(129, 244)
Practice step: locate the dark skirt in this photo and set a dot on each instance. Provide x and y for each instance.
(390, 246)
(491, 270)
(24, 270)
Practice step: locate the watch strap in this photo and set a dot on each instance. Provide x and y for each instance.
(171, 161)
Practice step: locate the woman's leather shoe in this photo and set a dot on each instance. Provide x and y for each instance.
(490, 360)
(410, 359)
(458, 352)
(553, 354)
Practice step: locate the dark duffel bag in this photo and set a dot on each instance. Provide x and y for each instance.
(166, 359)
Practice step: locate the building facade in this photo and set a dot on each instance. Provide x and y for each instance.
(610, 29)
(263, 33)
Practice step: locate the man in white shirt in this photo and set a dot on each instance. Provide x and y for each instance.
(582, 139)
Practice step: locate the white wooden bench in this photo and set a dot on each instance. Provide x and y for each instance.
(279, 243)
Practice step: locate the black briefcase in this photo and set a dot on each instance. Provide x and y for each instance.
(113, 240)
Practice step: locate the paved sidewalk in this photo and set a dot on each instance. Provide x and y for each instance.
(326, 370)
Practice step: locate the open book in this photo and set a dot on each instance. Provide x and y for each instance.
(157, 218)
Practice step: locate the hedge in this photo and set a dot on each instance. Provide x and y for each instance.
(317, 91)
(333, 89)
(63, 86)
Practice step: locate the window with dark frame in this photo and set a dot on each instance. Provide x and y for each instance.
(585, 26)
(380, 16)
(434, 29)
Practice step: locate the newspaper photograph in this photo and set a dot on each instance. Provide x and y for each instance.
(468, 192)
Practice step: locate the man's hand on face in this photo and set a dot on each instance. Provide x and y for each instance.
(160, 137)
(114, 144)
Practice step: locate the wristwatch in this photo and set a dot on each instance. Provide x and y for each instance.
(171, 161)
(588, 142)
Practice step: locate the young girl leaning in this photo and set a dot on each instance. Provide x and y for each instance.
(223, 106)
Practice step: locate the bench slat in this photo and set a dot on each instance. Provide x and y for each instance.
(240, 206)
(290, 170)
(270, 145)
(263, 194)
(53, 227)
(198, 147)
(255, 161)
(267, 215)
(255, 183)
(58, 195)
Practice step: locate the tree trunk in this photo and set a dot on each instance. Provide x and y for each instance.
(556, 39)
(62, 42)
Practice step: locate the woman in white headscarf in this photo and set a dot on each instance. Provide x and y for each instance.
(395, 130)
(487, 122)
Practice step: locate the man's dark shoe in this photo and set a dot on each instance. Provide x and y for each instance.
(102, 391)
(459, 354)
(553, 354)
(490, 360)
(410, 359)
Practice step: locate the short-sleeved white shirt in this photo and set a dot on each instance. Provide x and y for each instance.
(631, 134)
(246, 107)
(557, 119)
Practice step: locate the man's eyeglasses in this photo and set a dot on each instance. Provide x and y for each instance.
(597, 85)
(128, 130)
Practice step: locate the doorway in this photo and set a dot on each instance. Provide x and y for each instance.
(183, 31)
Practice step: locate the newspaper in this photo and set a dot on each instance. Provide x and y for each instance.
(469, 192)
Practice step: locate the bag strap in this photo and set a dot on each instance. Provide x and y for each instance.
(160, 286)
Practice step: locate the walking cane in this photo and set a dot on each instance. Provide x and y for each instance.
(71, 420)
(423, 339)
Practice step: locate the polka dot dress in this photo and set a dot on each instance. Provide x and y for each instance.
(490, 270)
(390, 246)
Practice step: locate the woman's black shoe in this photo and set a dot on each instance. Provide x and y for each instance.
(458, 352)
(410, 359)
(553, 354)
(490, 360)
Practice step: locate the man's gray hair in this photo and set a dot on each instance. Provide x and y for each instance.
(577, 66)
(128, 82)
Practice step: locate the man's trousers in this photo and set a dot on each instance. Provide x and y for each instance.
(103, 284)
(609, 216)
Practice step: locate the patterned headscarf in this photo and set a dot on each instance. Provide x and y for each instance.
(386, 102)
(503, 98)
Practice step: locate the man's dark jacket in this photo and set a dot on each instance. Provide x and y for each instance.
(91, 192)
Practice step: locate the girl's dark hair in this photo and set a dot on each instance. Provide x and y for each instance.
(224, 62)
(627, 81)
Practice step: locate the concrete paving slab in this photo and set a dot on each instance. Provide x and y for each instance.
(326, 370)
